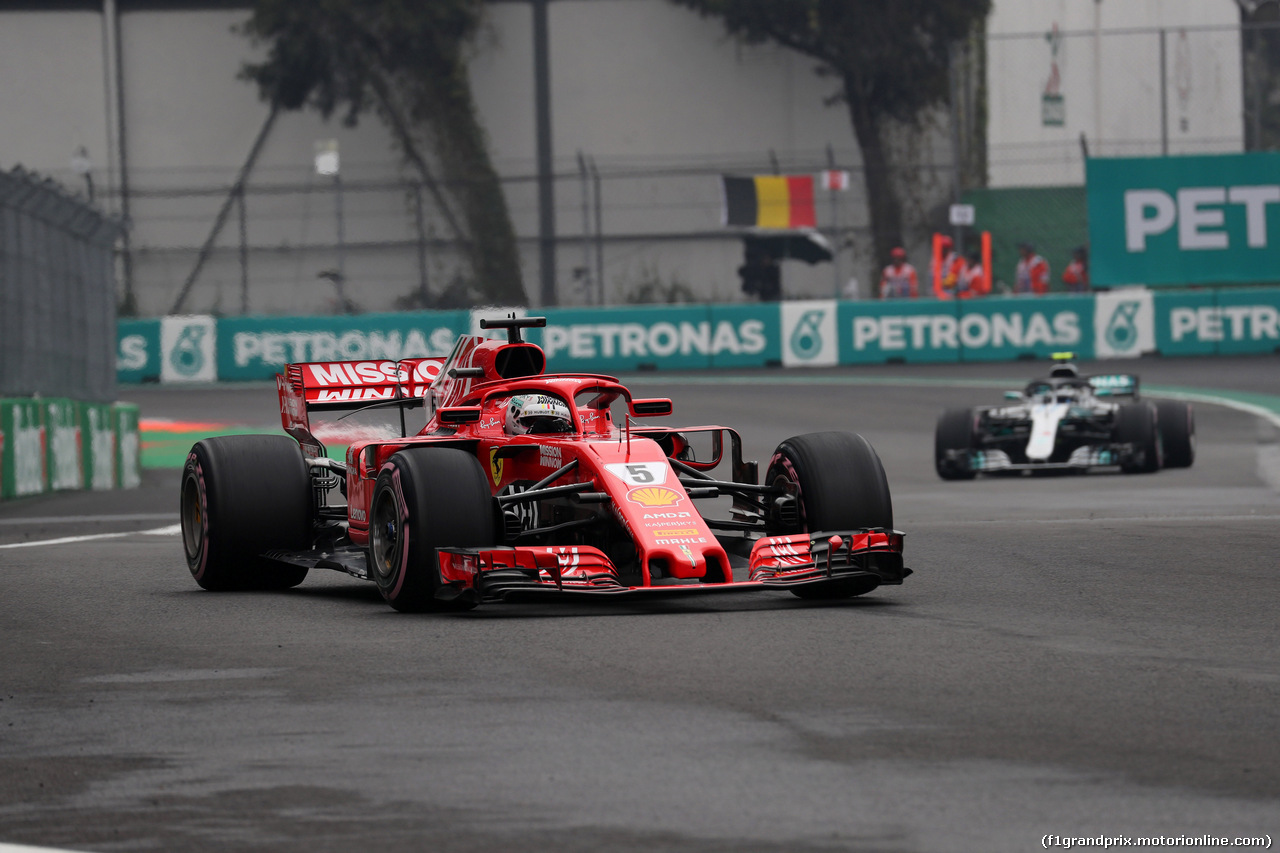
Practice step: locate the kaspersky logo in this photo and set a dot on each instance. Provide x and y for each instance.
(806, 337)
(1122, 328)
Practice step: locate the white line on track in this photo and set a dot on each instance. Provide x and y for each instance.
(22, 848)
(171, 530)
(1111, 519)
(1214, 400)
(79, 519)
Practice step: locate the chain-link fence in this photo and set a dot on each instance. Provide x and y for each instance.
(626, 231)
(1028, 108)
(57, 292)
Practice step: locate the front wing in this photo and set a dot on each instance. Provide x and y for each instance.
(861, 561)
(1082, 458)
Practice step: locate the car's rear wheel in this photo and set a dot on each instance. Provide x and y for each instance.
(838, 483)
(424, 499)
(953, 441)
(243, 495)
(1136, 426)
(1177, 426)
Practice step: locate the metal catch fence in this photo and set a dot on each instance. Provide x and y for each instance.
(57, 292)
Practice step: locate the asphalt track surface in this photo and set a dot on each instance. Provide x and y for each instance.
(1075, 656)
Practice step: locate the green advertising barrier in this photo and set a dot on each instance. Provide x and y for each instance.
(612, 340)
(1119, 323)
(898, 330)
(1234, 321)
(126, 418)
(744, 335)
(1184, 322)
(1201, 219)
(23, 457)
(991, 329)
(62, 434)
(260, 347)
(98, 438)
(138, 351)
(1249, 321)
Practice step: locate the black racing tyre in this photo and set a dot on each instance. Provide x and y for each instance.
(426, 498)
(839, 484)
(1136, 424)
(1177, 426)
(954, 432)
(243, 495)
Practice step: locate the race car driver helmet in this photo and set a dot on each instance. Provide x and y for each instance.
(537, 414)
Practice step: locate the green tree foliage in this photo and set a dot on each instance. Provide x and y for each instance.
(891, 57)
(406, 61)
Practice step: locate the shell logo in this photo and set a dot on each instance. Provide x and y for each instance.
(654, 496)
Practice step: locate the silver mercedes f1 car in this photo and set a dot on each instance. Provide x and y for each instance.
(1066, 422)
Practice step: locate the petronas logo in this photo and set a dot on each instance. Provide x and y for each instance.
(806, 337)
(1122, 331)
(187, 357)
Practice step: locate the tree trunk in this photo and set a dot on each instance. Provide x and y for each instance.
(474, 184)
(882, 197)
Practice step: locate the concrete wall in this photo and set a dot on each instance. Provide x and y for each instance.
(1109, 71)
(659, 98)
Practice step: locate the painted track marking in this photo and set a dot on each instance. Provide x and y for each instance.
(80, 519)
(170, 530)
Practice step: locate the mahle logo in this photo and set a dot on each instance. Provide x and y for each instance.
(1122, 329)
(806, 337)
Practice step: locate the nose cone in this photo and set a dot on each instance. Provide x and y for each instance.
(649, 501)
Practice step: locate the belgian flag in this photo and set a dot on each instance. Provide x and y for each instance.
(769, 201)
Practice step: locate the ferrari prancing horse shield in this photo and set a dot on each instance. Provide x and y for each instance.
(495, 465)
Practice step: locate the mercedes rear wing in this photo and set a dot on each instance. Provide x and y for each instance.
(1114, 385)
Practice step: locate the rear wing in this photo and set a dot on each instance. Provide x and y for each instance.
(1114, 385)
(312, 386)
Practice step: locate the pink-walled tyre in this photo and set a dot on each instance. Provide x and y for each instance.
(243, 495)
(424, 499)
(839, 484)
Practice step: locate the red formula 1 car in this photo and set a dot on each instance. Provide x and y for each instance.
(525, 485)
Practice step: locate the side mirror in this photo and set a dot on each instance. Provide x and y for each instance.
(1012, 395)
(458, 414)
(651, 408)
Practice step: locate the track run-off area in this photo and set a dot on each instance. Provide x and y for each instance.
(1074, 656)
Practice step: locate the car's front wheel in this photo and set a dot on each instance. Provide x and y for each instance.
(424, 499)
(953, 441)
(1177, 426)
(1136, 426)
(838, 483)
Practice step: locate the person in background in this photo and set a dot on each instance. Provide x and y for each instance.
(1076, 275)
(947, 279)
(899, 279)
(1032, 274)
(973, 281)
